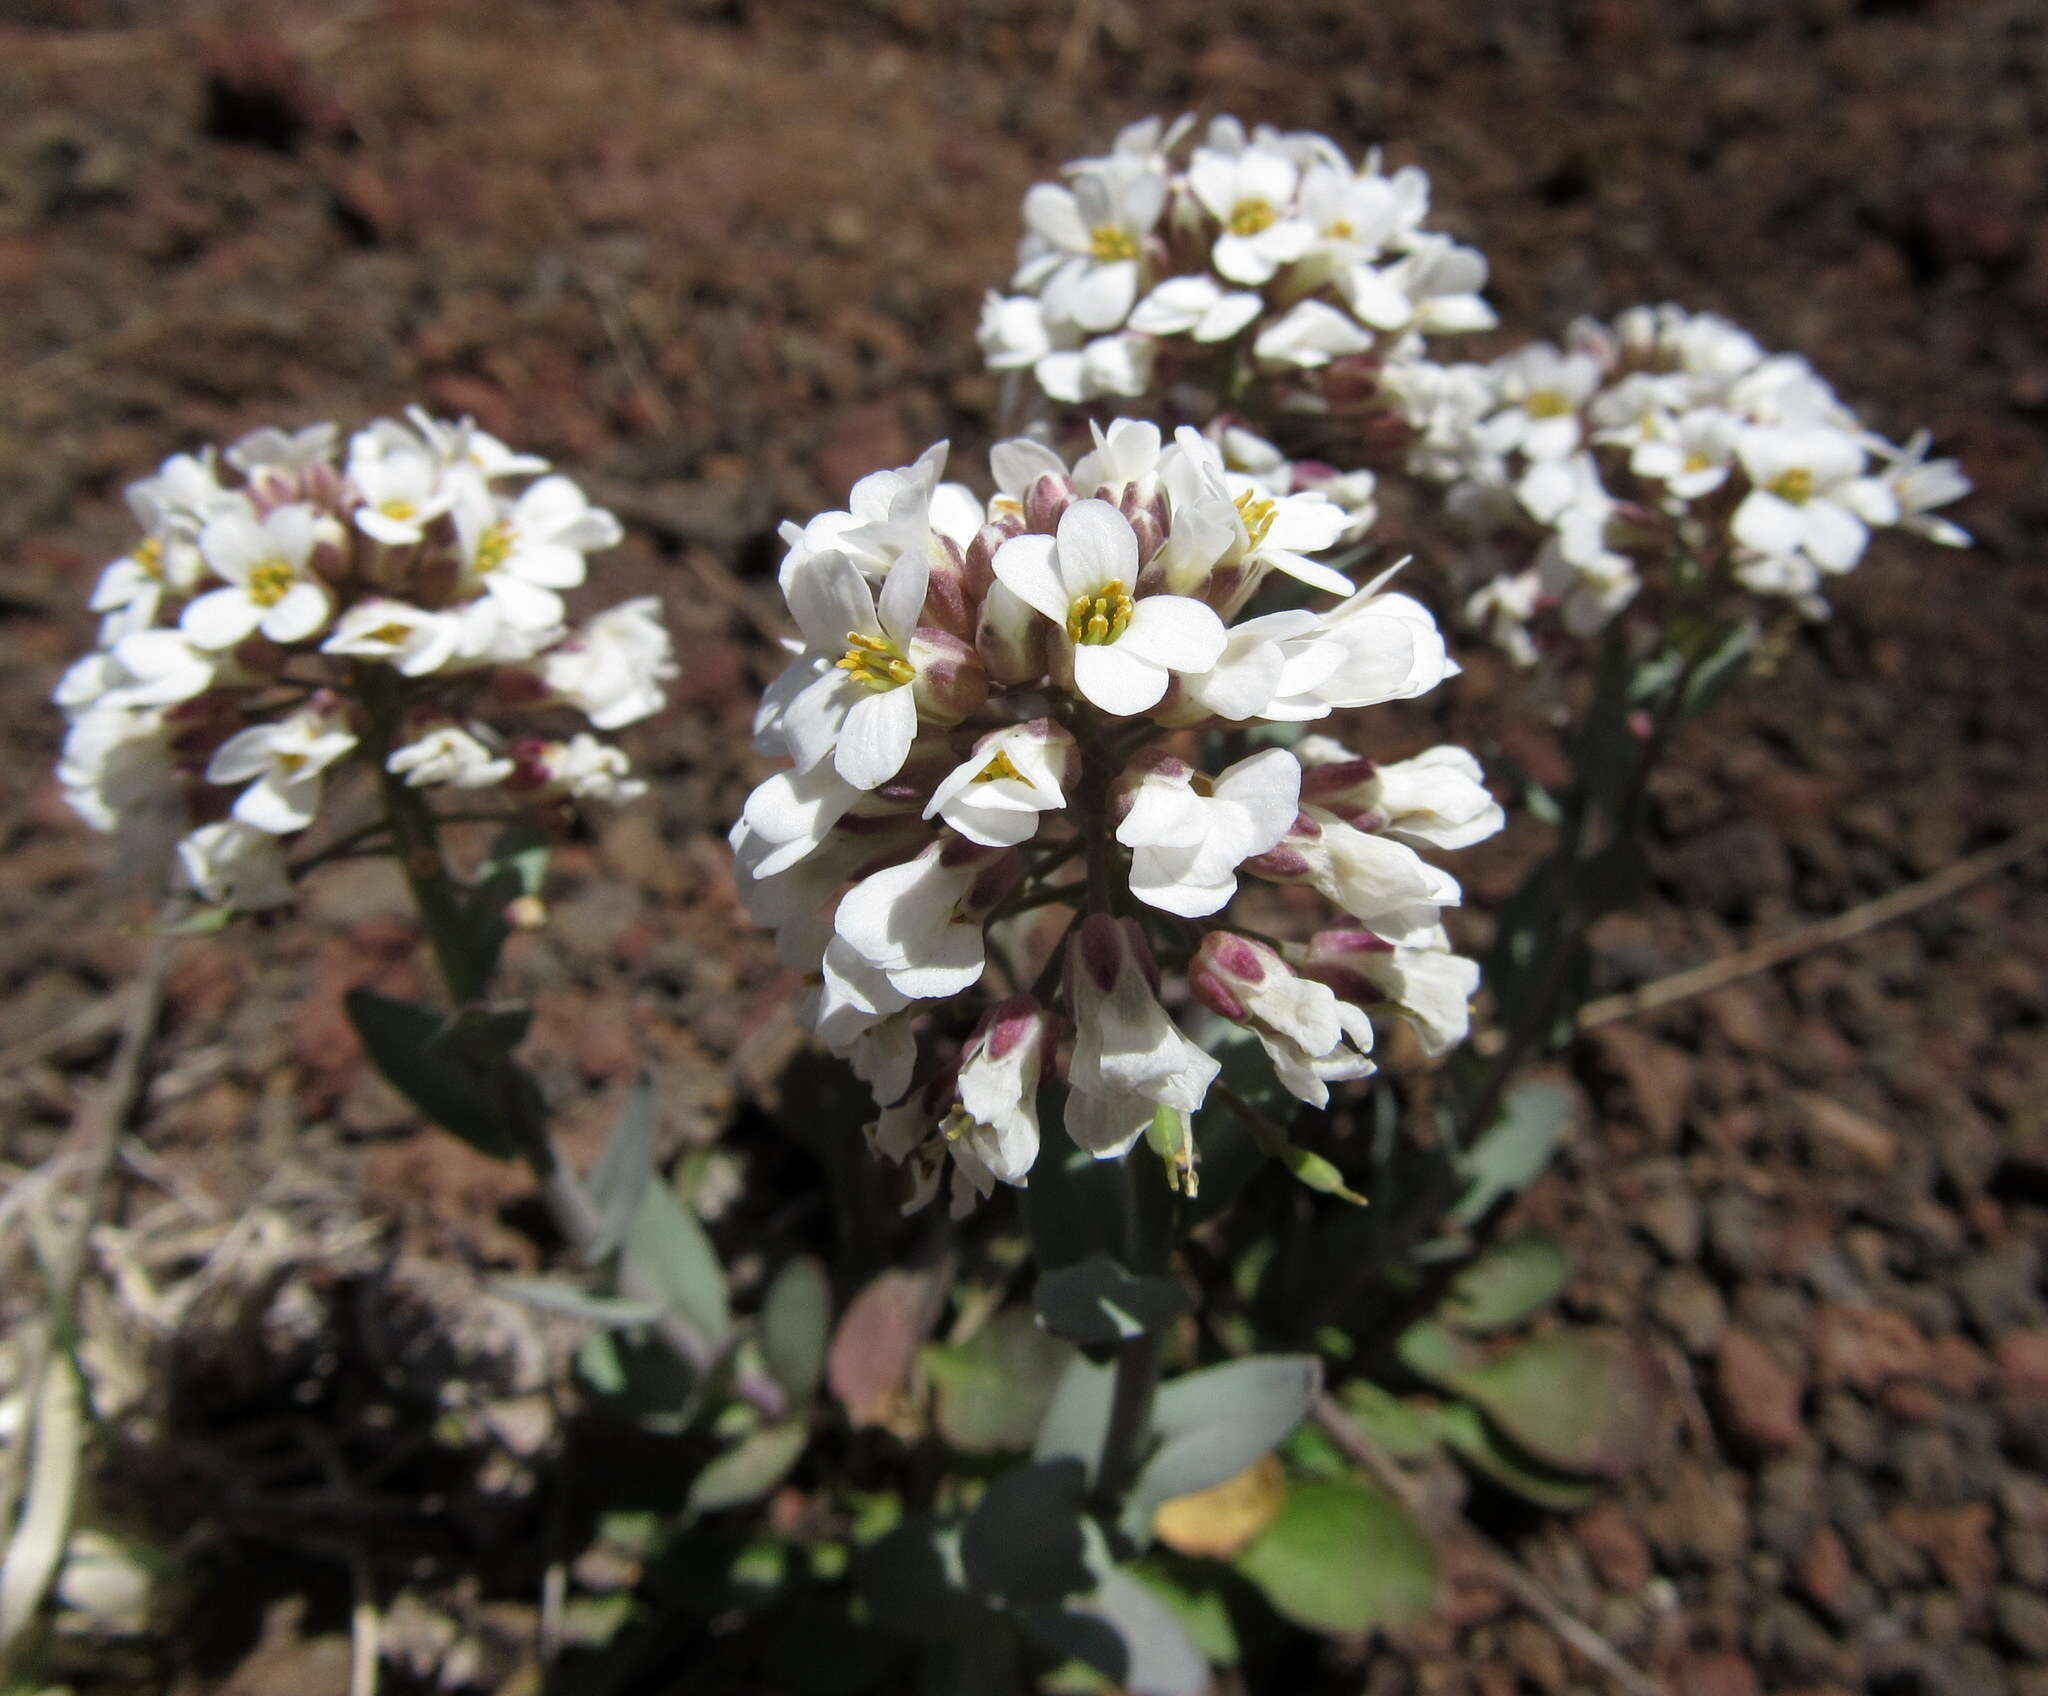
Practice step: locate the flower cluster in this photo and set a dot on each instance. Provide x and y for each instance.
(1057, 700)
(1666, 448)
(1272, 243)
(294, 605)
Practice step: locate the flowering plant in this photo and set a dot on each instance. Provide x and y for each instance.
(1055, 701)
(293, 608)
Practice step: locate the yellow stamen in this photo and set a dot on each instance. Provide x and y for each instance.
(493, 548)
(270, 582)
(1341, 230)
(392, 633)
(291, 762)
(1795, 486)
(150, 556)
(1111, 244)
(1102, 617)
(398, 508)
(1002, 766)
(1697, 462)
(1546, 403)
(1258, 513)
(874, 663)
(1249, 217)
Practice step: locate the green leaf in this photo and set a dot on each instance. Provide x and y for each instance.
(1403, 1430)
(624, 1171)
(991, 1392)
(796, 1324)
(1465, 1431)
(1193, 1591)
(515, 865)
(1435, 1354)
(1513, 1151)
(1724, 666)
(474, 1103)
(1583, 1401)
(1343, 1558)
(1077, 1205)
(1211, 1425)
(1130, 1634)
(1078, 1419)
(1095, 1301)
(749, 1469)
(910, 1581)
(1508, 1284)
(1026, 1542)
(638, 1379)
(551, 1295)
(667, 1246)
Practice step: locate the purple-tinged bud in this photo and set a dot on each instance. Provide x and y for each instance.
(1007, 1026)
(1148, 520)
(1010, 639)
(1339, 958)
(951, 682)
(978, 564)
(1104, 948)
(1225, 967)
(1294, 858)
(1330, 782)
(996, 882)
(1044, 502)
(950, 603)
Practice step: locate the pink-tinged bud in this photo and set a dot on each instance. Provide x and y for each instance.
(1339, 958)
(1326, 783)
(1009, 1025)
(995, 883)
(1225, 967)
(1148, 520)
(1280, 865)
(1104, 948)
(978, 564)
(1010, 640)
(322, 484)
(950, 680)
(948, 603)
(1046, 500)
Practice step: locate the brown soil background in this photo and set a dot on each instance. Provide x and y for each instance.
(719, 259)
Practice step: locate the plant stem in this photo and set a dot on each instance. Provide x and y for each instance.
(1130, 1415)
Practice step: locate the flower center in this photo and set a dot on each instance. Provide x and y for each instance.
(1795, 486)
(1249, 217)
(1110, 243)
(1697, 461)
(874, 663)
(269, 582)
(399, 508)
(290, 763)
(1102, 617)
(1546, 403)
(1341, 230)
(1257, 512)
(394, 634)
(493, 548)
(1002, 766)
(150, 556)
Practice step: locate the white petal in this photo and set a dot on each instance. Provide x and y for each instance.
(221, 619)
(299, 613)
(876, 738)
(828, 597)
(1175, 632)
(1116, 680)
(902, 599)
(1096, 546)
(1024, 566)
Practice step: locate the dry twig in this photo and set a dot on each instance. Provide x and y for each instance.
(1823, 933)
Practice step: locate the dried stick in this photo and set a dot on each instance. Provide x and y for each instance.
(1822, 933)
(1339, 1427)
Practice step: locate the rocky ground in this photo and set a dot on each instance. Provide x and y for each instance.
(721, 258)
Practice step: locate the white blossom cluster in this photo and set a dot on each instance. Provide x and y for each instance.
(1272, 243)
(1667, 448)
(297, 602)
(997, 709)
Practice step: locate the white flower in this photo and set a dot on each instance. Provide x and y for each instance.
(1189, 834)
(1438, 799)
(996, 1122)
(462, 447)
(1919, 484)
(853, 697)
(415, 642)
(291, 452)
(584, 767)
(1118, 364)
(151, 668)
(1428, 985)
(613, 668)
(449, 754)
(401, 482)
(1310, 335)
(1251, 194)
(236, 865)
(1082, 254)
(288, 761)
(1542, 390)
(920, 923)
(1198, 307)
(1122, 649)
(118, 772)
(1257, 531)
(1808, 495)
(524, 552)
(1503, 609)
(1694, 457)
(271, 585)
(1312, 1038)
(1014, 774)
(1385, 885)
(793, 812)
(1012, 333)
(1129, 1058)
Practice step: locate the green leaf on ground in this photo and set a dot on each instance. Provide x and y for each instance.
(796, 1325)
(404, 1040)
(1343, 1558)
(990, 1393)
(1211, 1425)
(1507, 1284)
(749, 1469)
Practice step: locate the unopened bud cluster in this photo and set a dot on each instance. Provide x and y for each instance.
(1021, 745)
(295, 605)
(1665, 452)
(1270, 247)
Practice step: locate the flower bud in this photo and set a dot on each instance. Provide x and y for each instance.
(950, 680)
(1010, 639)
(1047, 498)
(1226, 968)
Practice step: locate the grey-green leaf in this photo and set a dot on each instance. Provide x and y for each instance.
(551, 1295)
(991, 1392)
(624, 1171)
(1095, 1301)
(1509, 1283)
(1026, 1542)
(749, 1469)
(1343, 1558)
(1211, 1425)
(478, 1104)
(1513, 1151)
(667, 1246)
(796, 1324)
